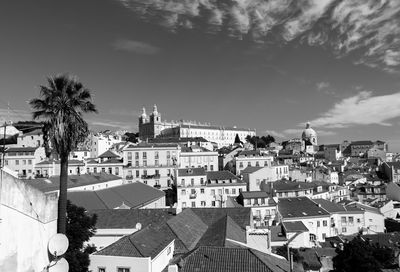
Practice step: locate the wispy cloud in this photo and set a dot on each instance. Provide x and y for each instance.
(361, 109)
(135, 47)
(113, 124)
(275, 133)
(325, 88)
(322, 85)
(370, 27)
(14, 115)
(297, 132)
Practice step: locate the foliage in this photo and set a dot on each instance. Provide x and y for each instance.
(361, 255)
(237, 139)
(61, 106)
(282, 250)
(80, 227)
(132, 137)
(260, 142)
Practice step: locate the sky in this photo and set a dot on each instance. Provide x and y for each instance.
(265, 65)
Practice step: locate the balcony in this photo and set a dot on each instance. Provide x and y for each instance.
(129, 177)
(192, 196)
(156, 176)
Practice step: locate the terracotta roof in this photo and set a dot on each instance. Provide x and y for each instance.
(283, 185)
(177, 140)
(70, 162)
(251, 169)
(221, 175)
(188, 172)
(147, 242)
(21, 149)
(221, 259)
(210, 215)
(127, 219)
(152, 145)
(53, 183)
(294, 226)
(299, 207)
(112, 161)
(37, 131)
(254, 194)
(188, 227)
(108, 154)
(134, 195)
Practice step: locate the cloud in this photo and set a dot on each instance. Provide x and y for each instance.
(361, 109)
(322, 85)
(135, 47)
(14, 115)
(113, 124)
(368, 28)
(275, 133)
(298, 132)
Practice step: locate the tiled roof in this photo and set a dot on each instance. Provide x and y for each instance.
(251, 169)
(220, 259)
(294, 226)
(148, 242)
(188, 172)
(127, 219)
(188, 227)
(177, 140)
(152, 145)
(220, 175)
(299, 207)
(210, 215)
(362, 143)
(53, 183)
(254, 194)
(70, 162)
(330, 206)
(21, 149)
(134, 195)
(37, 131)
(284, 185)
(108, 154)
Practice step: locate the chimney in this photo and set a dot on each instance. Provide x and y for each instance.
(172, 268)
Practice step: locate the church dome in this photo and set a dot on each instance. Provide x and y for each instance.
(308, 133)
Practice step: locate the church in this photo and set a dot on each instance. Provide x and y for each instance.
(152, 126)
(309, 143)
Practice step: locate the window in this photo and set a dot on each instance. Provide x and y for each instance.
(144, 163)
(344, 229)
(213, 203)
(351, 220)
(203, 203)
(265, 163)
(220, 191)
(29, 162)
(136, 155)
(233, 191)
(343, 219)
(318, 224)
(137, 173)
(144, 155)
(16, 162)
(193, 204)
(137, 163)
(323, 236)
(129, 156)
(249, 164)
(212, 167)
(123, 269)
(241, 165)
(156, 162)
(156, 156)
(212, 191)
(201, 181)
(358, 220)
(227, 191)
(192, 181)
(201, 191)
(182, 182)
(324, 223)
(101, 269)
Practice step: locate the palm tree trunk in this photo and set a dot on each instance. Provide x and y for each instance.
(62, 199)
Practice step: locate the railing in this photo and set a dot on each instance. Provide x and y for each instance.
(156, 176)
(192, 196)
(129, 177)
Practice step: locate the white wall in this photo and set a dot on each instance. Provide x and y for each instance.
(25, 229)
(111, 263)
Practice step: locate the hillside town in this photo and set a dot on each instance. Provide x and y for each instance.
(189, 196)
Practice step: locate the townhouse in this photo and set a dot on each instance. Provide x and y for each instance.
(251, 158)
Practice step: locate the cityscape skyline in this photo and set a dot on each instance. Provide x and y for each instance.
(269, 67)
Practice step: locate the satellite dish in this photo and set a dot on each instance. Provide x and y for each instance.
(61, 265)
(138, 226)
(58, 244)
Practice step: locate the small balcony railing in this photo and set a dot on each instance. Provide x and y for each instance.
(156, 176)
(192, 196)
(129, 177)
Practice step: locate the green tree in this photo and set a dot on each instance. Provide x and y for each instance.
(80, 227)
(360, 255)
(61, 106)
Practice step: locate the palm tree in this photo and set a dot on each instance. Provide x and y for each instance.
(61, 106)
